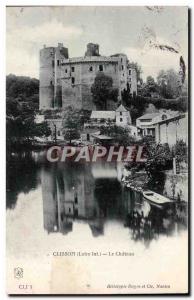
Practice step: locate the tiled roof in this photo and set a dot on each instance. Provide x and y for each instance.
(121, 108)
(102, 137)
(102, 114)
(149, 116)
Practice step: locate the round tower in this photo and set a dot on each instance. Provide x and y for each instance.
(50, 95)
(47, 78)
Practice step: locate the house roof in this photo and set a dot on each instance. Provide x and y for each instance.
(102, 137)
(121, 108)
(171, 119)
(149, 116)
(101, 114)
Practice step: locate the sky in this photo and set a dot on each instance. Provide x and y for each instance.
(154, 37)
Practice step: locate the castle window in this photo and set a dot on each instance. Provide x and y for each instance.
(57, 62)
(120, 113)
(121, 59)
(69, 209)
(91, 69)
(100, 68)
(51, 83)
(65, 70)
(72, 80)
(58, 133)
(72, 69)
(121, 119)
(122, 67)
(129, 72)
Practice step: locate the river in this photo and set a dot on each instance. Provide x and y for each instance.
(67, 206)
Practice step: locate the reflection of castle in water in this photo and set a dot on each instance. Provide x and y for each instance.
(83, 192)
(92, 193)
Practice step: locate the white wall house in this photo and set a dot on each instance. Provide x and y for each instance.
(145, 123)
(123, 117)
(172, 129)
(120, 117)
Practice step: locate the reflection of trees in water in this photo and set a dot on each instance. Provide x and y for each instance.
(157, 222)
(71, 192)
(22, 176)
(108, 194)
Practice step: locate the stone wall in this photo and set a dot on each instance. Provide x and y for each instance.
(177, 182)
(172, 131)
(65, 81)
(77, 91)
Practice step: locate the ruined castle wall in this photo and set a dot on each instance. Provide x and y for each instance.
(65, 81)
(71, 86)
(122, 67)
(60, 53)
(50, 92)
(47, 79)
(132, 80)
(78, 94)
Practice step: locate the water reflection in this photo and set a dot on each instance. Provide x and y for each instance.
(22, 175)
(93, 194)
(85, 192)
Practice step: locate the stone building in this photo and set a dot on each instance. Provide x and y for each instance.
(172, 129)
(67, 81)
(146, 123)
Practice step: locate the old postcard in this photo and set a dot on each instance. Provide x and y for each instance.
(97, 146)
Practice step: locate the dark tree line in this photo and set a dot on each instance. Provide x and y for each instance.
(21, 105)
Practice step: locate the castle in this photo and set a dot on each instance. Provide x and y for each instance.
(67, 81)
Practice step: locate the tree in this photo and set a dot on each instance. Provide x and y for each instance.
(126, 95)
(23, 89)
(42, 129)
(19, 121)
(180, 150)
(169, 84)
(159, 157)
(121, 135)
(103, 91)
(71, 124)
(149, 87)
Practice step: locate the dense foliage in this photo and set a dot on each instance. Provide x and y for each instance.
(73, 121)
(21, 104)
(138, 104)
(121, 135)
(103, 91)
(23, 89)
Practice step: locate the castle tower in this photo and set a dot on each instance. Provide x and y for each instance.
(50, 76)
(60, 54)
(92, 50)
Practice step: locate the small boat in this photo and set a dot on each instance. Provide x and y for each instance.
(157, 199)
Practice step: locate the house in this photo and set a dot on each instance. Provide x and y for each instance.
(120, 117)
(145, 123)
(172, 129)
(123, 117)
